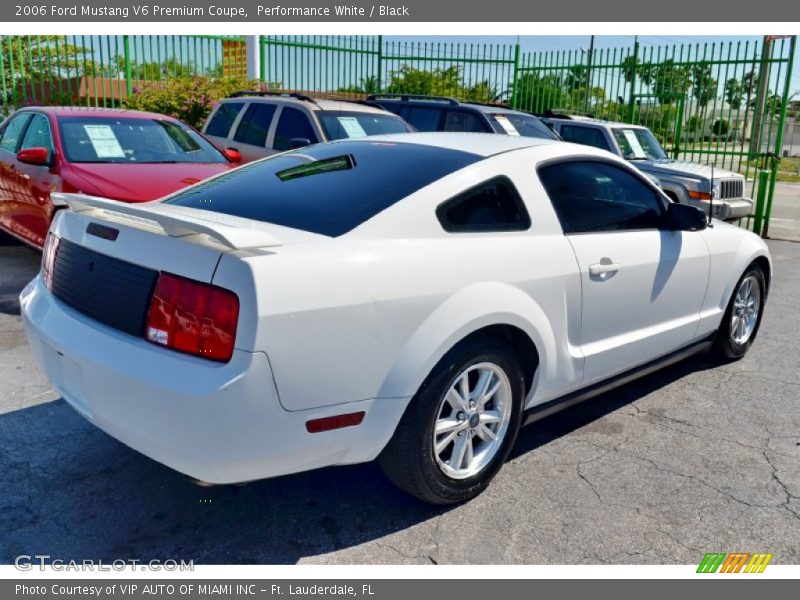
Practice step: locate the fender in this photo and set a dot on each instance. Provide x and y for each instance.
(730, 255)
(468, 310)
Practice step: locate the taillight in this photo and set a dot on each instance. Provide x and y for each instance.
(49, 258)
(193, 317)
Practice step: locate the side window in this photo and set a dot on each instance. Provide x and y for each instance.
(591, 196)
(254, 125)
(424, 119)
(38, 134)
(10, 137)
(222, 121)
(494, 205)
(588, 136)
(456, 120)
(292, 123)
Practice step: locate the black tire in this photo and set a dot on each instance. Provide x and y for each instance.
(408, 459)
(7, 239)
(725, 346)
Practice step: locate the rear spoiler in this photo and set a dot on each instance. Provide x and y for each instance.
(175, 221)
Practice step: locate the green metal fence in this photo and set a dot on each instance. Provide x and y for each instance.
(723, 103)
(96, 70)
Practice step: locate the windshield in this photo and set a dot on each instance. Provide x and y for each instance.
(328, 188)
(339, 125)
(133, 140)
(638, 144)
(524, 125)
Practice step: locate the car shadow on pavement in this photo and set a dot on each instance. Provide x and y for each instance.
(15, 273)
(75, 493)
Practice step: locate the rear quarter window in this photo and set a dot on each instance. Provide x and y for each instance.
(588, 136)
(222, 121)
(328, 189)
(494, 205)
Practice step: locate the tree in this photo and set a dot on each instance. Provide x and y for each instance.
(540, 93)
(436, 82)
(667, 81)
(365, 85)
(670, 82)
(30, 61)
(733, 92)
(704, 86)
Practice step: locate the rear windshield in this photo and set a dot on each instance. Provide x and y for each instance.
(134, 140)
(339, 125)
(524, 125)
(327, 189)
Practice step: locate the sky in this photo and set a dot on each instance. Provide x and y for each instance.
(575, 42)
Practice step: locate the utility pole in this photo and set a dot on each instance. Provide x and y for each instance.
(761, 95)
(589, 73)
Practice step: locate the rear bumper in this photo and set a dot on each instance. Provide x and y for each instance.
(219, 423)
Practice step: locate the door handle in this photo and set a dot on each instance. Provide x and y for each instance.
(603, 268)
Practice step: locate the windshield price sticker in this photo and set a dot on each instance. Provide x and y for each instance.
(507, 125)
(104, 141)
(636, 147)
(351, 127)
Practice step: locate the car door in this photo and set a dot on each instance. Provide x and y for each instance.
(642, 283)
(34, 211)
(250, 138)
(12, 188)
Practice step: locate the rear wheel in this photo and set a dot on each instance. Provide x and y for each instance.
(743, 316)
(460, 426)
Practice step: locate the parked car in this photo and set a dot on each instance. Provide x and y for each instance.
(414, 298)
(438, 113)
(122, 154)
(683, 181)
(259, 124)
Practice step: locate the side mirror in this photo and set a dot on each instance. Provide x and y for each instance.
(683, 217)
(34, 156)
(233, 154)
(295, 143)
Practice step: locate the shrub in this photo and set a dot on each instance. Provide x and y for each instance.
(190, 99)
(721, 127)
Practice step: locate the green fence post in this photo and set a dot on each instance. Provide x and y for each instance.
(632, 96)
(676, 145)
(379, 81)
(779, 133)
(515, 74)
(758, 220)
(262, 60)
(126, 49)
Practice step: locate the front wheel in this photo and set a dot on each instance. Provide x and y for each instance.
(743, 316)
(460, 426)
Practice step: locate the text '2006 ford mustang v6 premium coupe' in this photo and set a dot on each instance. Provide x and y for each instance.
(412, 298)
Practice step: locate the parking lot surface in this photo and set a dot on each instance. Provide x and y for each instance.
(696, 458)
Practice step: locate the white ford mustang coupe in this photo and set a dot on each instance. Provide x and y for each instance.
(414, 299)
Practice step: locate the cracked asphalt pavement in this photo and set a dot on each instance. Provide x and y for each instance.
(698, 457)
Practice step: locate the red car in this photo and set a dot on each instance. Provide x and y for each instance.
(121, 154)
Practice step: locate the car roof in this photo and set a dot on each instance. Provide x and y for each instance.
(91, 111)
(313, 104)
(481, 144)
(592, 120)
(452, 103)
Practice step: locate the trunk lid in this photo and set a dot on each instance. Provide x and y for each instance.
(111, 253)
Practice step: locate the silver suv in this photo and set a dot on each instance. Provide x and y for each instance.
(258, 124)
(685, 182)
